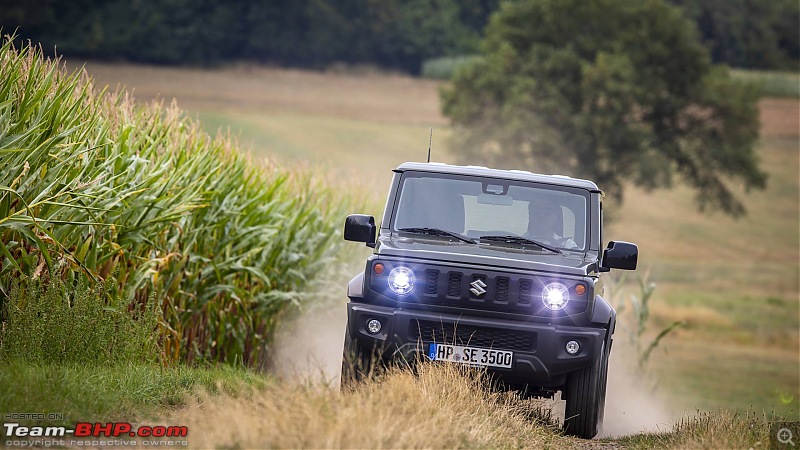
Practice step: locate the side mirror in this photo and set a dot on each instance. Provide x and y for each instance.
(620, 255)
(360, 228)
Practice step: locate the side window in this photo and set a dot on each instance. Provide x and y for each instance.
(574, 221)
(568, 220)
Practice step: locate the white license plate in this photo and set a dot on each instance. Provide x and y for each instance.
(473, 356)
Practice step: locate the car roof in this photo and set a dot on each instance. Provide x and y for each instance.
(522, 175)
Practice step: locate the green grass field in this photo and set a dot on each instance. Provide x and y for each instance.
(736, 282)
(769, 83)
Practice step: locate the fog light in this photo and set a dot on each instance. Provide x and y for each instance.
(374, 326)
(573, 347)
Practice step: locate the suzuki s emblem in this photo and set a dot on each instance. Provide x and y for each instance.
(478, 287)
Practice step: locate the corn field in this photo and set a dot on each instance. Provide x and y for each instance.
(96, 187)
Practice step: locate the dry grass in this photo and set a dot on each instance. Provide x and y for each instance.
(371, 97)
(445, 406)
(717, 430)
(694, 316)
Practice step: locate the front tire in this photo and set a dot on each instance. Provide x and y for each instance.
(358, 362)
(586, 398)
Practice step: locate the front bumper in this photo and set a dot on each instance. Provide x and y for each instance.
(539, 355)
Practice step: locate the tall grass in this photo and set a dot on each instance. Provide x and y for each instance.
(127, 391)
(51, 323)
(94, 186)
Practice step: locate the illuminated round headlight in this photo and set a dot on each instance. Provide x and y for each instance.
(555, 296)
(401, 280)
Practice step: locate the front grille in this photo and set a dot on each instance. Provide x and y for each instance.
(454, 284)
(501, 290)
(472, 336)
(514, 292)
(431, 281)
(525, 288)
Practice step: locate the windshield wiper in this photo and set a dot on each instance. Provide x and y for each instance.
(511, 239)
(438, 232)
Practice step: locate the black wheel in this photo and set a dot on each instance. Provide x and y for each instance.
(586, 398)
(358, 362)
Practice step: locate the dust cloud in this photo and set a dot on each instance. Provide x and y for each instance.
(631, 406)
(309, 342)
(309, 347)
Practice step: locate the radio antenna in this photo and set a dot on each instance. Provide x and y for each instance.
(430, 141)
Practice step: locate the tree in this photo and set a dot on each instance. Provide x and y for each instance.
(748, 33)
(612, 90)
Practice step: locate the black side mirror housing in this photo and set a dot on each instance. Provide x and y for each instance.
(620, 255)
(360, 228)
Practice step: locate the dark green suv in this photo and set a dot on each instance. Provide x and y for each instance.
(500, 269)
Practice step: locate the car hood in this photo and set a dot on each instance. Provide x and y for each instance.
(494, 255)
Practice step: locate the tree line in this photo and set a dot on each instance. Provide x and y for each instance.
(395, 34)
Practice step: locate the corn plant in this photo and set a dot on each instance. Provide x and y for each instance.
(640, 308)
(96, 187)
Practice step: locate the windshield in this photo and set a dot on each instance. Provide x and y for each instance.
(499, 211)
